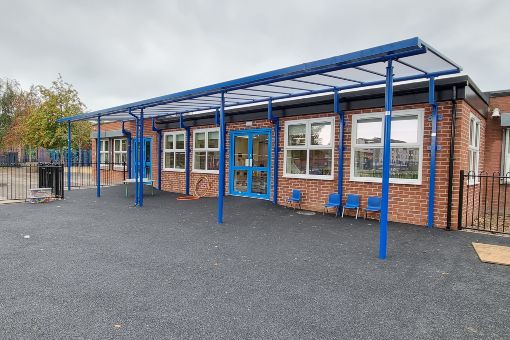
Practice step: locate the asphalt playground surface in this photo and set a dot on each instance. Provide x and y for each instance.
(102, 269)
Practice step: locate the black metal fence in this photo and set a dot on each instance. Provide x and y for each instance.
(84, 175)
(484, 202)
(17, 179)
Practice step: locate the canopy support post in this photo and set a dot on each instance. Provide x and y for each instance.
(433, 151)
(158, 132)
(98, 158)
(69, 156)
(141, 164)
(383, 233)
(187, 141)
(341, 125)
(221, 177)
(128, 142)
(135, 153)
(276, 124)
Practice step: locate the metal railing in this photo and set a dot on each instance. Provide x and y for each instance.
(17, 179)
(484, 202)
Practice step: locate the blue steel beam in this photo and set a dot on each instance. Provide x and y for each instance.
(187, 138)
(142, 160)
(433, 152)
(276, 124)
(383, 236)
(341, 125)
(68, 156)
(158, 132)
(128, 142)
(136, 154)
(98, 158)
(221, 177)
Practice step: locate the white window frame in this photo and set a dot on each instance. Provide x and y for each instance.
(505, 153)
(102, 151)
(174, 150)
(206, 149)
(120, 152)
(474, 148)
(419, 144)
(308, 147)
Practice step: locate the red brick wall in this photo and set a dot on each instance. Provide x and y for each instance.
(408, 203)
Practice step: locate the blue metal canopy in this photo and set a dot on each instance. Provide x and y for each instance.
(412, 59)
(405, 60)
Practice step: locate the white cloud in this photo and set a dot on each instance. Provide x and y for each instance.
(119, 51)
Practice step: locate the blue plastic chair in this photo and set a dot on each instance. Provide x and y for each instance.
(295, 199)
(352, 202)
(333, 202)
(373, 205)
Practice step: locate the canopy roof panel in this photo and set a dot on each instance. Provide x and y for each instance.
(412, 59)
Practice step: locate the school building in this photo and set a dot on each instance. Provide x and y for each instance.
(321, 128)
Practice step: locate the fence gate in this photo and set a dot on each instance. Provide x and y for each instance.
(484, 202)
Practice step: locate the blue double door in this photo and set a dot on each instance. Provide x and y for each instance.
(146, 159)
(250, 163)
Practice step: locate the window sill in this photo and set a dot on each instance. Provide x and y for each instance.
(317, 177)
(392, 180)
(212, 172)
(173, 170)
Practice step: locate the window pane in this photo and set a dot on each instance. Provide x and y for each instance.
(241, 150)
(180, 160)
(117, 158)
(213, 160)
(259, 182)
(369, 131)
(404, 129)
(260, 150)
(179, 141)
(297, 134)
(200, 160)
(169, 142)
(241, 180)
(368, 163)
(199, 140)
(296, 162)
(471, 131)
(169, 160)
(123, 158)
(320, 162)
(477, 134)
(321, 133)
(404, 163)
(124, 145)
(116, 145)
(213, 139)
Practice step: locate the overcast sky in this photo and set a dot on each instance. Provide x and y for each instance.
(115, 52)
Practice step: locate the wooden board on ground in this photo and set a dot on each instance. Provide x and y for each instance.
(491, 253)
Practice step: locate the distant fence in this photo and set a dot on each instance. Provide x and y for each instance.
(16, 179)
(484, 202)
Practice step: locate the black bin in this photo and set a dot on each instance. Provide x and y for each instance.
(52, 176)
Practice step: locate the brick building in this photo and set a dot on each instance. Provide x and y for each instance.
(293, 128)
(409, 195)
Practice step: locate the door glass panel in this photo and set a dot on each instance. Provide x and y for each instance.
(241, 150)
(241, 180)
(259, 182)
(260, 150)
(147, 151)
